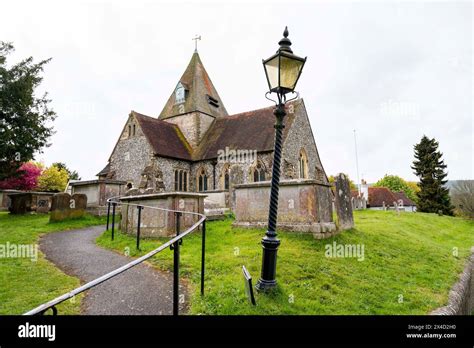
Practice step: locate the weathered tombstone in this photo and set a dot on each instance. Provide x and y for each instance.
(343, 202)
(63, 206)
(77, 205)
(20, 203)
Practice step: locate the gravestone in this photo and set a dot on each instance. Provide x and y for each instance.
(20, 203)
(64, 206)
(343, 202)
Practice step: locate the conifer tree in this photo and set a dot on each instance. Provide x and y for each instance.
(433, 196)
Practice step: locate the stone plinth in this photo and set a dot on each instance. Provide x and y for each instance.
(303, 206)
(26, 202)
(158, 223)
(97, 192)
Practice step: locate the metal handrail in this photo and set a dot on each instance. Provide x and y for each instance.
(172, 242)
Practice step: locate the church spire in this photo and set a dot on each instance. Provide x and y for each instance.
(194, 92)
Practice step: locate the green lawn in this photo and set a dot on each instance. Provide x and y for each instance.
(410, 263)
(25, 284)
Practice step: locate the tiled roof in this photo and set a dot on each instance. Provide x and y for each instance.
(252, 130)
(406, 201)
(379, 195)
(165, 138)
(199, 88)
(104, 171)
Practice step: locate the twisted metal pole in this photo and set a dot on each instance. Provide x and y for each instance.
(270, 242)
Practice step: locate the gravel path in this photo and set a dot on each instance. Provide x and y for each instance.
(141, 290)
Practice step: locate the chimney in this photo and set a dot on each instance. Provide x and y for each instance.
(364, 189)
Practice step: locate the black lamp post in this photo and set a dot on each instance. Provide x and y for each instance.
(283, 70)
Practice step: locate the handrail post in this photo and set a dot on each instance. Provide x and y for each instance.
(138, 225)
(113, 219)
(108, 214)
(203, 255)
(176, 267)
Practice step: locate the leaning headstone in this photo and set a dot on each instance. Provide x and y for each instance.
(63, 206)
(343, 202)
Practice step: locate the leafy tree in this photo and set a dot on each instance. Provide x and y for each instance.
(396, 184)
(462, 195)
(413, 185)
(73, 175)
(430, 168)
(24, 117)
(26, 178)
(53, 179)
(351, 183)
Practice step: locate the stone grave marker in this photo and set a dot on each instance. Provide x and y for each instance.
(343, 202)
(64, 206)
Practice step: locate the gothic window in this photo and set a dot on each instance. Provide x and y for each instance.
(303, 164)
(259, 173)
(134, 129)
(129, 131)
(202, 181)
(226, 181)
(224, 177)
(180, 180)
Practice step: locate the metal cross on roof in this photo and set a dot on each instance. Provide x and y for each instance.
(196, 43)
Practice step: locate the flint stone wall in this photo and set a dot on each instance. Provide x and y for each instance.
(158, 223)
(461, 296)
(64, 206)
(303, 206)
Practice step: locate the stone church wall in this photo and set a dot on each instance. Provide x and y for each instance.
(168, 166)
(131, 155)
(300, 136)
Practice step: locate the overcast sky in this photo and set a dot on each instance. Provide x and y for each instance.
(391, 71)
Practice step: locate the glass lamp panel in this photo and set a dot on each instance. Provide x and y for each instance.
(271, 68)
(289, 72)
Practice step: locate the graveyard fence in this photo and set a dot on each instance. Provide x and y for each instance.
(173, 244)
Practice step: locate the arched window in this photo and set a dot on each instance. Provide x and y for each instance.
(259, 173)
(202, 181)
(134, 129)
(224, 178)
(226, 181)
(180, 180)
(303, 164)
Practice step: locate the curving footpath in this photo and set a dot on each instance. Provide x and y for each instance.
(141, 290)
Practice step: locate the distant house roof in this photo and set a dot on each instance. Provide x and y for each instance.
(165, 138)
(406, 201)
(379, 195)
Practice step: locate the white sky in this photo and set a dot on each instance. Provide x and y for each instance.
(392, 71)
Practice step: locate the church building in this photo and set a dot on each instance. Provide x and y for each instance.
(194, 145)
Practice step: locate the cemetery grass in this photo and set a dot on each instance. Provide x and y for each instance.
(25, 284)
(411, 261)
